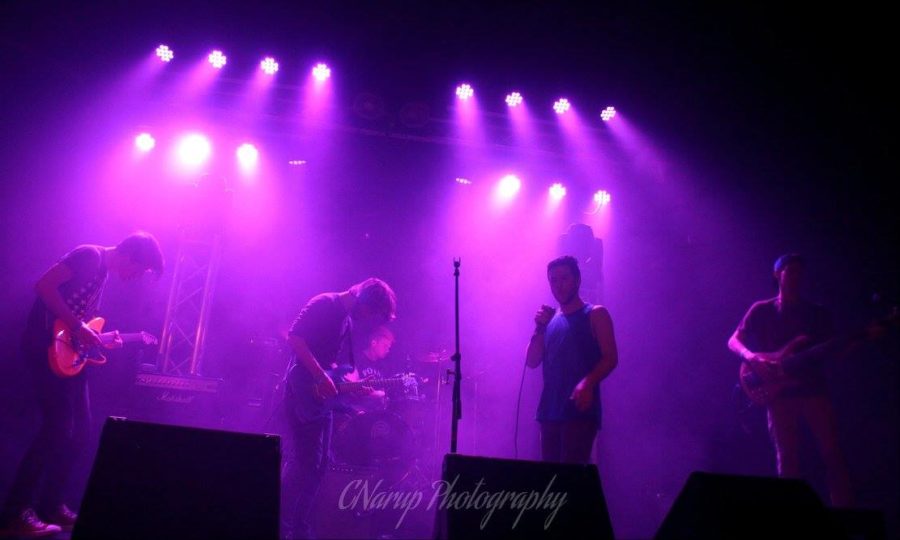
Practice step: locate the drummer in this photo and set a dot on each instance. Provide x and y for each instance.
(369, 366)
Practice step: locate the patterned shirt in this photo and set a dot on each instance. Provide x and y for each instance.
(81, 292)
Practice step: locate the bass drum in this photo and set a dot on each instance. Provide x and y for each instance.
(374, 439)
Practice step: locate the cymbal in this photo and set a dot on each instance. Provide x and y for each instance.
(434, 357)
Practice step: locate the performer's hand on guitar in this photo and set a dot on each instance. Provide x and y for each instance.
(368, 391)
(325, 387)
(87, 337)
(116, 342)
(766, 363)
(583, 395)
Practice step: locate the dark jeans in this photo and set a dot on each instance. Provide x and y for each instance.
(785, 416)
(570, 441)
(42, 477)
(305, 464)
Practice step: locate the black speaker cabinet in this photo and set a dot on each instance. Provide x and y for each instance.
(727, 506)
(502, 498)
(158, 481)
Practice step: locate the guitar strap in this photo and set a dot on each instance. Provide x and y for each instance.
(347, 341)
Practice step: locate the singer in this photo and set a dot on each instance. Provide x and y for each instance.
(576, 346)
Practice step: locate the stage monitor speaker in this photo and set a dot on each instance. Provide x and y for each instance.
(482, 497)
(738, 507)
(859, 523)
(159, 481)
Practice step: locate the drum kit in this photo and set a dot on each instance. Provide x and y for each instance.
(403, 432)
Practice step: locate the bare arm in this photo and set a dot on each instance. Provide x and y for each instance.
(602, 326)
(736, 344)
(602, 329)
(534, 354)
(535, 351)
(306, 360)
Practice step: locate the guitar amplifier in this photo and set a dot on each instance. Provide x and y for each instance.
(171, 399)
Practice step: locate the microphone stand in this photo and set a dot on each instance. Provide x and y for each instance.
(456, 372)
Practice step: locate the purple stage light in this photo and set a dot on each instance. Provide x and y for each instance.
(297, 162)
(608, 114)
(514, 99)
(561, 105)
(508, 187)
(144, 142)
(217, 59)
(321, 72)
(463, 181)
(194, 149)
(247, 155)
(602, 198)
(269, 65)
(165, 53)
(464, 91)
(557, 191)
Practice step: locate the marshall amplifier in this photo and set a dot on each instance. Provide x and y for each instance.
(179, 400)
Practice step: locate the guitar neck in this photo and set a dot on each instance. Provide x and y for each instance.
(382, 383)
(820, 352)
(109, 337)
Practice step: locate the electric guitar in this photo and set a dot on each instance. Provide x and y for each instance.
(67, 357)
(308, 402)
(762, 381)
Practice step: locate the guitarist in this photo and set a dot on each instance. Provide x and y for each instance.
(768, 326)
(320, 338)
(69, 291)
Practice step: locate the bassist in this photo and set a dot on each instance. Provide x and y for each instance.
(770, 325)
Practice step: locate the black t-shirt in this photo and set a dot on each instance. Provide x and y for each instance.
(325, 325)
(768, 326)
(81, 293)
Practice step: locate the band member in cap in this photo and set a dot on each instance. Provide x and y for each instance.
(767, 327)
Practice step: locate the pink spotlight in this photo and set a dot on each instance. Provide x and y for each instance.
(165, 53)
(217, 59)
(144, 142)
(194, 149)
(608, 114)
(602, 198)
(561, 105)
(321, 72)
(463, 181)
(464, 91)
(269, 65)
(557, 191)
(514, 99)
(247, 156)
(508, 187)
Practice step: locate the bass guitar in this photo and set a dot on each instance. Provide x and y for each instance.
(764, 379)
